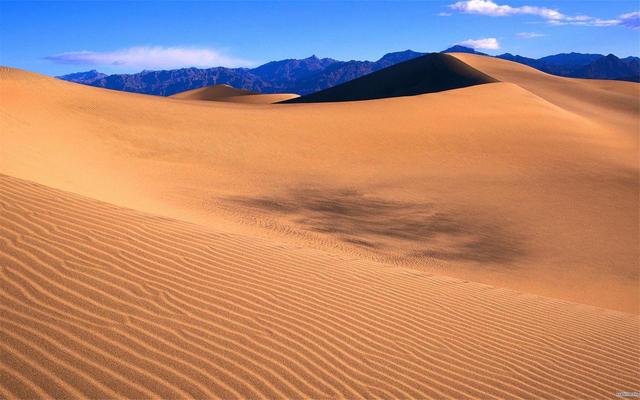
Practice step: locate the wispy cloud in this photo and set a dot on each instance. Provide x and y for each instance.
(484, 43)
(630, 20)
(529, 35)
(151, 57)
(552, 16)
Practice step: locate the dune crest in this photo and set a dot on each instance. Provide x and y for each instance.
(229, 94)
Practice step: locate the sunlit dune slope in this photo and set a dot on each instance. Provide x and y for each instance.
(226, 93)
(613, 103)
(430, 73)
(100, 301)
(492, 183)
(212, 92)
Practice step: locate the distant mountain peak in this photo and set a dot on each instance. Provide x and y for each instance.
(399, 56)
(532, 62)
(572, 58)
(462, 49)
(407, 51)
(84, 77)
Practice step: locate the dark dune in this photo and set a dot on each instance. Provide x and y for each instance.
(434, 72)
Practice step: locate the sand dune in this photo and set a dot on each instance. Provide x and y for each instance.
(480, 242)
(430, 73)
(490, 183)
(212, 92)
(226, 93)
(100, 301)
(613, 103)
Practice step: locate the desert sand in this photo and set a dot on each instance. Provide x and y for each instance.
(229, 94)
(480, 242)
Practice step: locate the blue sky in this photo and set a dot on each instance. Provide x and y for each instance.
(62, 37)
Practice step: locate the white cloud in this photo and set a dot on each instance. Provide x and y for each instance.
(629, 20)
(484, 43)
(488, 7)
(444, 14)
(154, 57)
(529, 35)
(554, 17)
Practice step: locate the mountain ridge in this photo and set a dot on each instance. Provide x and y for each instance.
(313, 74)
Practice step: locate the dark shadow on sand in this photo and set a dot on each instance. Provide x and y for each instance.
(385, 225)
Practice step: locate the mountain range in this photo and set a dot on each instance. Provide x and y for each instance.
(309, 75)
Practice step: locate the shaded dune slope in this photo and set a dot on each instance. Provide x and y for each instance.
(229, 94)
(100, 301)
(434, 72)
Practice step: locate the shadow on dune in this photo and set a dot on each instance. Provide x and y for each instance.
(415, 230)
(434, 72)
